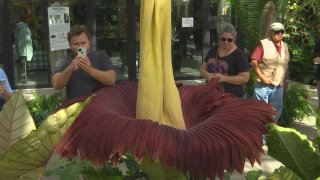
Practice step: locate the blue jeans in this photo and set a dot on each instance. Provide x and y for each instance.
(270, 94)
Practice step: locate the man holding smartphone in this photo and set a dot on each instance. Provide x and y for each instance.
(82, 70)
(5, 89)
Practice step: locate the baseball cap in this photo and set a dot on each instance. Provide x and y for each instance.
(276, 26)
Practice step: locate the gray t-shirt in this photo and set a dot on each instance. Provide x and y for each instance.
(80, 83)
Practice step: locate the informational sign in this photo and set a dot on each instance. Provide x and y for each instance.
(187, 22)
(59, 26)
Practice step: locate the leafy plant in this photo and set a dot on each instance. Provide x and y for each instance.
(29, 155)
(283, 173)
(293, 150)
(41, 106)
(76, 168)
(245, 13)
(253, 175)
(296, 105)
(302, 25)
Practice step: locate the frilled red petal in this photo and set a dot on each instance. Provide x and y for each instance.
(222, 130)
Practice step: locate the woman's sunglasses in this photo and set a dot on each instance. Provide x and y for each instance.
(279, 32)
(226, 39)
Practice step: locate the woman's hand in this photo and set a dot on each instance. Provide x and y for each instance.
(221, 77)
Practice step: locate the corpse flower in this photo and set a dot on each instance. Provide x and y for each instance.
(221, 131)
(196, 129)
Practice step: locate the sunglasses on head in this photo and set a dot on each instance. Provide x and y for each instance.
(279, 31)
(226, 39)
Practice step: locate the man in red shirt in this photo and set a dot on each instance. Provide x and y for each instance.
(270, 63)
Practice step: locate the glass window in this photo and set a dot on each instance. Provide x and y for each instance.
(108, 24)
(186, 38)
(112, 34)
(137, 6)
(111, 30)
(109, 34)
(30, 51)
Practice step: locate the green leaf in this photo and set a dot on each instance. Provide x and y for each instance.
(294, 150)
(253, 175)
(283, 173)
(16, 122)
(72, 170)
(154, 170)
(131, 163)
(34, 151)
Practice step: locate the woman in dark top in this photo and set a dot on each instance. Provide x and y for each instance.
(228, 63)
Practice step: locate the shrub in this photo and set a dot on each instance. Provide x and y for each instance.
(296, 105)
(41, 106)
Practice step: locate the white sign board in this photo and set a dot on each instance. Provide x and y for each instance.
(59, 26)
(187, 22)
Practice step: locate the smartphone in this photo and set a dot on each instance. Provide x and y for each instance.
(82, 51)
(2, 81)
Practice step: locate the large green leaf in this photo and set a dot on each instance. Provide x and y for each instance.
(283, 173)
(294, 150)
(16, 122)
(34, 151)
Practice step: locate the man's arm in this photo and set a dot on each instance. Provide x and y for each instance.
(107, 77)
(258, 72)
(60, 79)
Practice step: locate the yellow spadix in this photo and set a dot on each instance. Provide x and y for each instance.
(158, 98)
